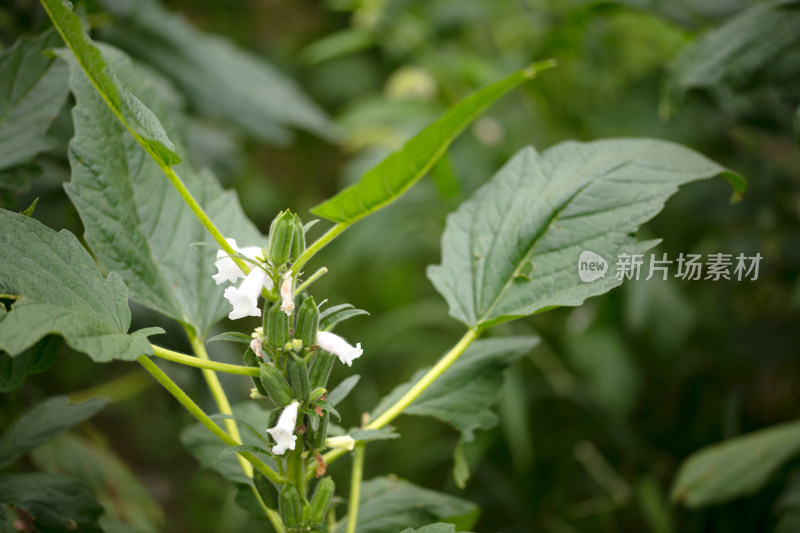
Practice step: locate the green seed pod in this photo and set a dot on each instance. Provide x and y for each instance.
(298, 238)
(276, 387)
(321, 499)
(307, 322)
(266, 489)
(289, 504)
(280, 238)
(317, 440)
(297, 372)
(321, 369)
(252, 360)
(277, 327)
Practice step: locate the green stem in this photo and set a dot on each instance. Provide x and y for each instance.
(6, 296)
(314, 277)
(413, 393)
(318, 245)
(355, 487)
(204, 419)
(116, 390)
(196, 362)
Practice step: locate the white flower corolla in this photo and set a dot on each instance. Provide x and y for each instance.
(227, 269)
(244, 298)
(287, 294)
(283, 432)
(339, 347)
(256, 345)
(345, 442)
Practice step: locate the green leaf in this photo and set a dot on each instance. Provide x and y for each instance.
(233, 450)
(398, 172)
(231, 336)
(124, 497)
(136, 117)
(432, 528)
(63, 293)
(28, 211)
(758, 47)
(36, 359)
(244, 423)
(461, 471)
(736, 467)
(33, 87)
(464, 393)
(338, 313)
(384, 433)
(221, 80)
(341, 390)
(545, 210)
(42, 423)
(391, 504)
(54, 502)
(135, 221)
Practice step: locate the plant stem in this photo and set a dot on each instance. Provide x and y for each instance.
(318, 245)
(355, 487)
(203, 418)
(197, 362)
(314, 277)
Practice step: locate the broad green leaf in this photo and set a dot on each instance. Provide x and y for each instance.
(398, 172)
(54, 502)
(758, 47)
(220, 80)
(233, 450)
(391, 504)
(136, 117)
(124, 497)
(512, 249)
(736, 467)
(43, 423)
(341, 390)
(63, 293)
(206, 447)
(32, 91)
(135, 221)
(385, 433)
(36, 359)
(464, 393)
(432, 528)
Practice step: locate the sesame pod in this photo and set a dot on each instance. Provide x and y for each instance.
(298, 238)
(289, 504)
(317, 440)
(321, 369)
(307, 322)
(252, 360)
(321, 500)
(280, 238)
(276, 387)
(266, 489)
(297, 372)
(277, 327)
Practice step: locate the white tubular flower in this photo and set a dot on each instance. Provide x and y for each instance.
(227, 269)
(345, 442)
(287, 294)
(283, 432)
(244, 299)
(339, 347)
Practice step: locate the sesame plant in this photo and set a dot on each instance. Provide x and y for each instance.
(174, 241)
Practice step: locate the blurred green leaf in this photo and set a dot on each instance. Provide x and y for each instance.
(42, 423)
(758, 47)
(233, 450)
(384, 433)
(736, 467)
(545, 210)
(134, 115)
(231, 336)
(341, 390)
(63, 293)
(36, 359)
(55, 503)
(125, 499)
(221, 80)
(135, 221)
(391, 504)
(32, 91)
(397, 173)
(464, 393)
(432, 528)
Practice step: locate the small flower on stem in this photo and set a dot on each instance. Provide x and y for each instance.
(345, 442)
(256, 345)
(287, 293)
(227, 269)
(283, 432)
(339, 347)
(244, 299)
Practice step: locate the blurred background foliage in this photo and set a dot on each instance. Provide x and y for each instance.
(597, 419)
